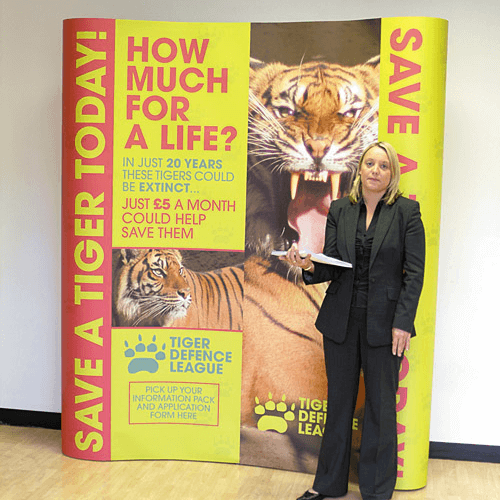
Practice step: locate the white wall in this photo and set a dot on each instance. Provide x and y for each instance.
(465, 398)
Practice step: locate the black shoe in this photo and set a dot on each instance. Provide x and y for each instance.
(309, 495)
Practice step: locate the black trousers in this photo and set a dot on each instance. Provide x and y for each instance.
(378, 454)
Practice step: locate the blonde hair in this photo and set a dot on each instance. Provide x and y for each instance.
(393, 192)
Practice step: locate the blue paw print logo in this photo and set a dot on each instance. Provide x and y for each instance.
(277, 422)
(145, 357)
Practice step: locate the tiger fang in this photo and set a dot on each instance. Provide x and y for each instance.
(315, 177)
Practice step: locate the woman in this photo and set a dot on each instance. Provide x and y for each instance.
(366, 320)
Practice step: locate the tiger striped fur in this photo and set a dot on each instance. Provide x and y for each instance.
(217, 299)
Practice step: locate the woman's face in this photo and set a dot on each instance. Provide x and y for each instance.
(375, 171)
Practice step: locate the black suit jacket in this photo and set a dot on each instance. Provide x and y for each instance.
(396, 270)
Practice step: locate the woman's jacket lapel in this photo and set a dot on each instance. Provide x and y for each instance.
(383, 224)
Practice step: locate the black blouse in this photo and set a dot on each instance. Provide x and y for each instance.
(364, 242)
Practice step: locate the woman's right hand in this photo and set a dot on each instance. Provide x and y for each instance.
(294, 258)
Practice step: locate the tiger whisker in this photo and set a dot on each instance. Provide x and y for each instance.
(153, 308)
(371, 112)
(271, 140)
(257, 106)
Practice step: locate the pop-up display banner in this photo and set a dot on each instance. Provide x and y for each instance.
(190, 152)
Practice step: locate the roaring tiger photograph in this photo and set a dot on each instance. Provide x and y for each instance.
(313, 108)
(151, 287)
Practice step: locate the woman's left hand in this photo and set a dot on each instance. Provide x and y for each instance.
(294, 258)
(400, 341)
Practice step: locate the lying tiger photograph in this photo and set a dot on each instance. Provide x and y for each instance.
(152, 287)
(313, 108)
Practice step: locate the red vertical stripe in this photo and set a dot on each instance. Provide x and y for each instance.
(85, 412)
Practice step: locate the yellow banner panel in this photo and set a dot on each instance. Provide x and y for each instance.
(177, 393)
(180, 135)
(412, 100)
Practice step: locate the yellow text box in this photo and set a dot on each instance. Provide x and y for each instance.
(174, 403)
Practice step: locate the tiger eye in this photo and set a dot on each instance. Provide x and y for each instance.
(351, 113)
(284, 111)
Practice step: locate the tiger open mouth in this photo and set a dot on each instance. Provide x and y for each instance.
(311, 194)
